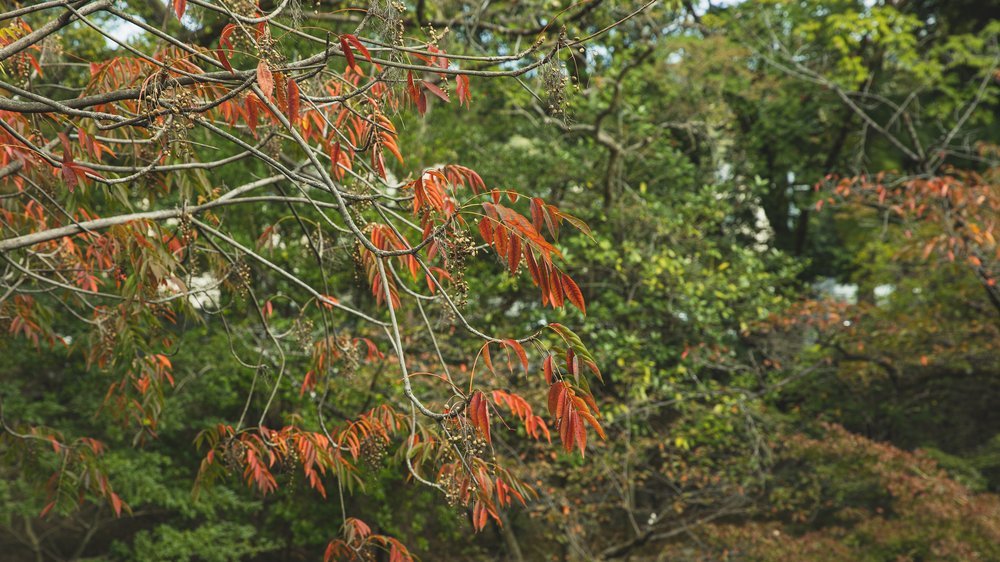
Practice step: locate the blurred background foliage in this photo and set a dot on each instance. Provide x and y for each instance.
(789, 376)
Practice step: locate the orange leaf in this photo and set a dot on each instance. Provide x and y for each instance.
(479, 517)
(47, 509)
(487, 359)
(338, 171)
(251, 104)
(484, 417)
(486, 230)
(580, 433)
(116, 504)
(573, 293)
(521, 354)
(555, 290)
(474, 408)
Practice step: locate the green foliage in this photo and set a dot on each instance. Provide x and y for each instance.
(705, 160)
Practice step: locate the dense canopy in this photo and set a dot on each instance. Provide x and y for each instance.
(308, 280)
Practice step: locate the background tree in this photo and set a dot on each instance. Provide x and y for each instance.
(785, 304)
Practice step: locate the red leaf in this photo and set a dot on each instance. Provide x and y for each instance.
(281, 91)
(411, 88)
(251, 104)
(179, 7)
(514, 252)
(293, 101)
(566, 432)
(224, 36)
(551, 223)
(462, 89)
(47, 509)
(224, 59)
(436, 91)
(67, 148)
(537, 211)
(474, 408)
(547, 369)
(69, 176)
(348, 53)
(529, 258)
(421, 103)
(501, 240)
(265, 79)
(353, 40)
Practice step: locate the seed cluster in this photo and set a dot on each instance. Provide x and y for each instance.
(349, 353)
(245, 8)
(388, 20)
(187, 233)
(303, 333)
(463, 444)
(240, 277)
(177, 138)
(554, 85)
(234, 454)
(373, 450)
(453, 489)
(459, 247)
(21, 68)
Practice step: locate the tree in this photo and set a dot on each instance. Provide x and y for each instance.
(226, 166)
(721, 355)
(733, 162)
